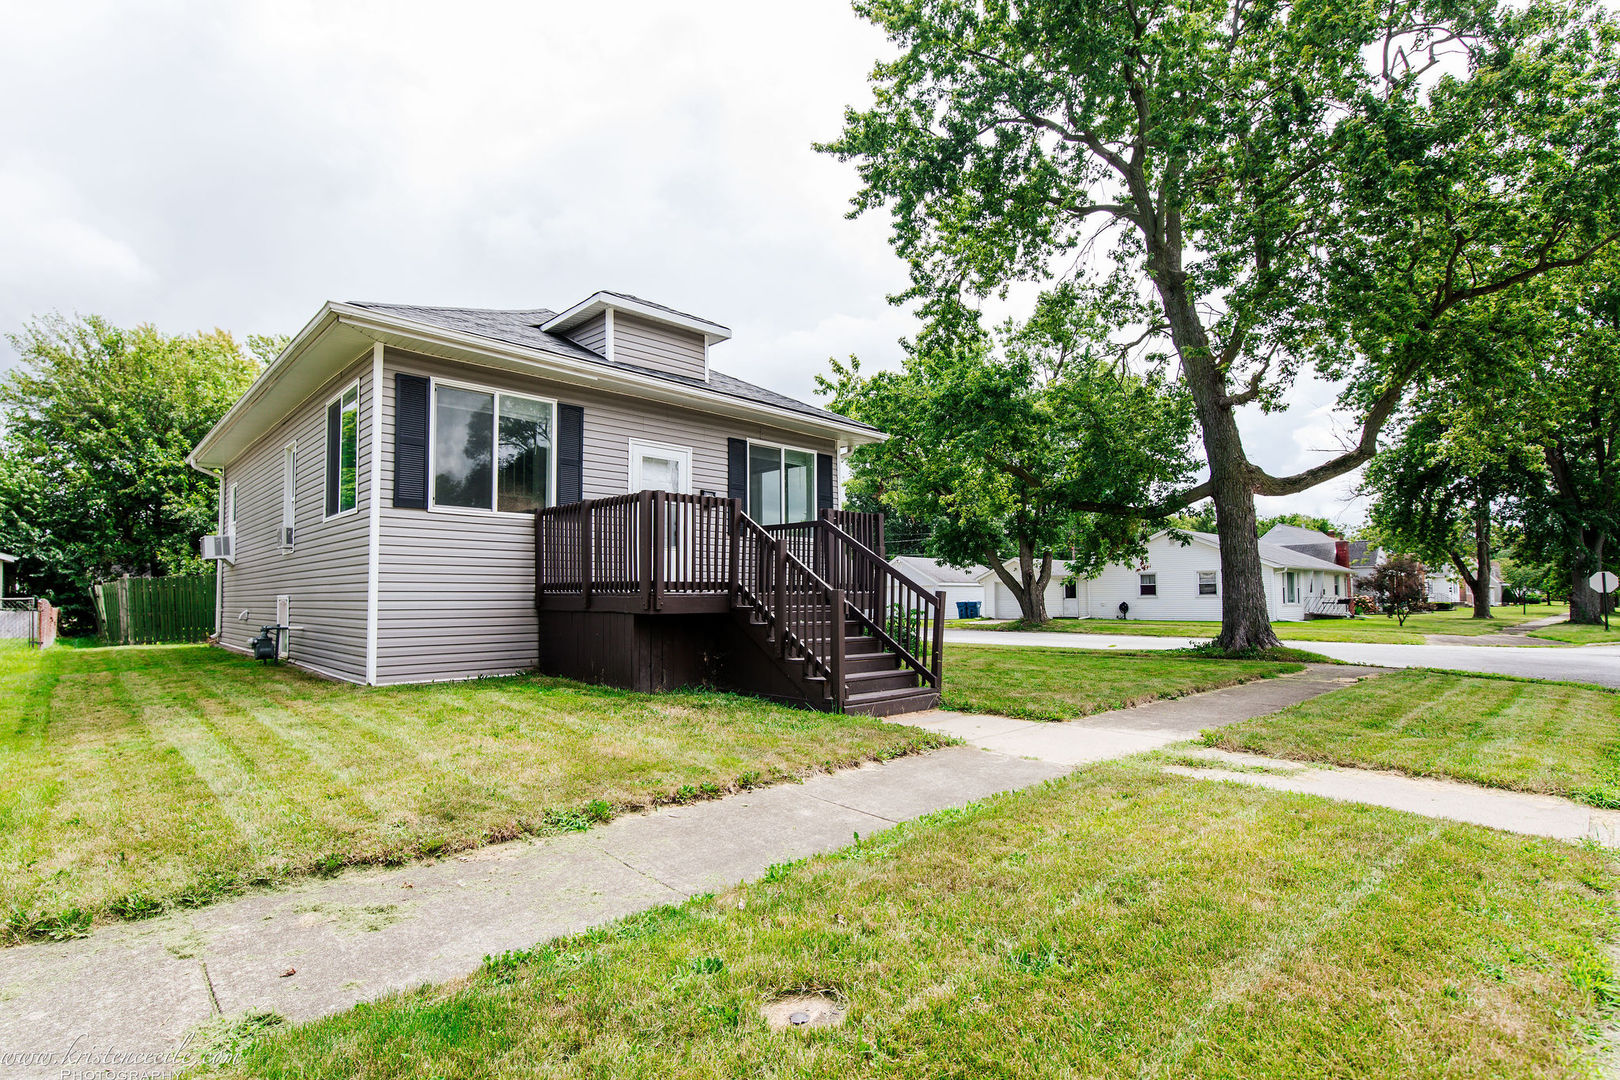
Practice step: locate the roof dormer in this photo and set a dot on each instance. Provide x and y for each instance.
(628, 330)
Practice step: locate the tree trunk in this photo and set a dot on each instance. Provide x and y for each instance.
(1029, 587)
(1482, 558)
(1245, 614)
(1585, 605)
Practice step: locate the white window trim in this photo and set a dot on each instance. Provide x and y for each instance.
(1290, 584)
(638, 446)
(815, 458)
(289, 496)
(230, 510)
(1140, 574)
(326, 475)
(494, 470)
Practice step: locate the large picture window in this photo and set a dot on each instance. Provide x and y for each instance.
(491, 451)
(342, 451)
(781, 484)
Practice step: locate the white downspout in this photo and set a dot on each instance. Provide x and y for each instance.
(374, 544)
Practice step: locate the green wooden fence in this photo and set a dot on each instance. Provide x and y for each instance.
(141, 611)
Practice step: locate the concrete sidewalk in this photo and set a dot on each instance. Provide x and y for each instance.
(1145, 727)
(1512, 811)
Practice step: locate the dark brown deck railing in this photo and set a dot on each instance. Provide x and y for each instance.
(804, 581)
(651, 544)
(899, 612)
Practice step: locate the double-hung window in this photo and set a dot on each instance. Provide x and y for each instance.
(781, 484)
(342, 451)
(1206, 583)
(1149, 584)
(492, 451)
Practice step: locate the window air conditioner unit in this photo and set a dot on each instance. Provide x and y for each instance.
(219, 547)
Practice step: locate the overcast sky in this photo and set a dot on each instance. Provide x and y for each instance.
(235, 165)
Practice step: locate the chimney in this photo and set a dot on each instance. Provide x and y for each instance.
(1341, 552)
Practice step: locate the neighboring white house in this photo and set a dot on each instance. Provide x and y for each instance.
(1183, 582)
(960, 585)
(1447, 587)
(4, 559)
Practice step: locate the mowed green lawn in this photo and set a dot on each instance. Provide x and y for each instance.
(136, 778)
(1035, 683)
(1557, 738)
(1373, 629)
(1582, 633)
(1118, 922)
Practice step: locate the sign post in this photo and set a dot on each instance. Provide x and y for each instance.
(1604, 583)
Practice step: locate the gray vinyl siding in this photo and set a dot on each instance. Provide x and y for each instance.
(325, 573)
(456, 588)
(592, 334)
(653, 345)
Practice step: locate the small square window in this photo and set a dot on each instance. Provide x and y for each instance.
(1071, 591)
(1206, 583)
(1150, 584)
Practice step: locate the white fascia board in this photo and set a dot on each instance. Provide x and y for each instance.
(604, 300)
(557, 365)
(276, 369)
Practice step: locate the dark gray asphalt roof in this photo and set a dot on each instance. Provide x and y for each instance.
(523, 328)
(660, 307)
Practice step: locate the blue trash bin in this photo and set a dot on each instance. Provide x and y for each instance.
(968, 609)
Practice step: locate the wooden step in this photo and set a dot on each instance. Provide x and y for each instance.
(892, 702)
(877, 661)
(864, 682)
(860, 645)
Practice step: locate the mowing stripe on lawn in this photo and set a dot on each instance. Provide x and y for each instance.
(1239, 981)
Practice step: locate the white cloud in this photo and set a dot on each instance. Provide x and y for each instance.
(197, 165)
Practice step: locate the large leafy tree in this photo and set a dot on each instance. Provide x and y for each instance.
(1438, 490)
(994, 442)
(1289, 183)
(1563, 382)
(97, 423)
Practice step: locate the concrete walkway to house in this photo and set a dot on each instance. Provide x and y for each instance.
(144, 988)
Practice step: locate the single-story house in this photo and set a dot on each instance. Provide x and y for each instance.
(961, 585)
(1182, 582)
(425, 493)
(1446, 586)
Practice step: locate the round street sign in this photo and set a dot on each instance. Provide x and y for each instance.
(1603, 581)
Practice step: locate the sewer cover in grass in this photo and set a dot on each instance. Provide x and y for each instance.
(804, 1011)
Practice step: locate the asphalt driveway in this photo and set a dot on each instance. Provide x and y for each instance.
(1598, 664)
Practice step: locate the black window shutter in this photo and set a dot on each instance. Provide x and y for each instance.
(824, 482)
(737, 470)
(410, 441)
(570, 454)
(334, 433)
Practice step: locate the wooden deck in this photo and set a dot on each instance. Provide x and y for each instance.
(654, 590)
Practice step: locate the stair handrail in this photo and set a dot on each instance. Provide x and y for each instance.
(930, 670)
(770, 600)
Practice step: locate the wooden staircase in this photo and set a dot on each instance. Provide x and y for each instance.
(876, 681)
(824, 620)
(853, 633)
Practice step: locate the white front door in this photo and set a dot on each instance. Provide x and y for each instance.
(656, 467)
